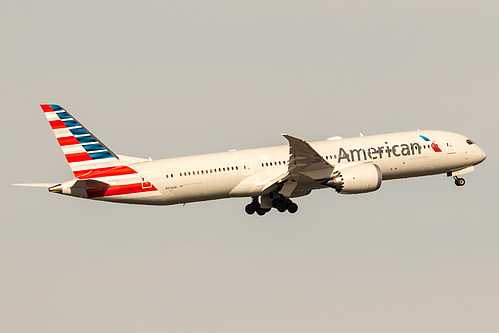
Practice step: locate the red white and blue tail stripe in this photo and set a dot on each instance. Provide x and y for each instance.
(83, 151)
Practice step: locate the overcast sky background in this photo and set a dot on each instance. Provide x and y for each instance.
(172, 78)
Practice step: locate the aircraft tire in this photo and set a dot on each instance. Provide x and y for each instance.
(292, 208)
(250, 210)
(281, 206)
(261, 211)
(459, 182)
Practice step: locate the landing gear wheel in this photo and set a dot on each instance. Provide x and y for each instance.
(281, 207)
(262, 211)
(292, 208)
(459, 182)
(250, 209)
(279, 204)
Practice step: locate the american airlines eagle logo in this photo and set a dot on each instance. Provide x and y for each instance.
(434, 146)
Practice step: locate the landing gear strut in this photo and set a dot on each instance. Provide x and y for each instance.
(459, 181)
(281, 203)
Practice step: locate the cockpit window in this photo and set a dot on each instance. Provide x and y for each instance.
(470, 142)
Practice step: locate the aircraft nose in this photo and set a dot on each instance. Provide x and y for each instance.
(483, 155)
(480, 155)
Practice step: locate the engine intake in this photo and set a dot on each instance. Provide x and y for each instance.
(354, 179)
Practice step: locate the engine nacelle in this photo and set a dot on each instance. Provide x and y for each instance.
(359, 178)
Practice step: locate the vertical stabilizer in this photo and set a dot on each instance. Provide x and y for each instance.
(84, 152)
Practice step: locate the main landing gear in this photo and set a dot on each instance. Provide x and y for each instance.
(281, 203)
(254, 206)
(459, 181)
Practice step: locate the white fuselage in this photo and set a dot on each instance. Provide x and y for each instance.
(246, 173)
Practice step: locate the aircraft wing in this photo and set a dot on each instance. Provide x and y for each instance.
(303, 158)
(305, 165)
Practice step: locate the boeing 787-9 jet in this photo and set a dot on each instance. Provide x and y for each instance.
(270, 177)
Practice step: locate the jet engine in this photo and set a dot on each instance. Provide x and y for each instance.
(359, 178)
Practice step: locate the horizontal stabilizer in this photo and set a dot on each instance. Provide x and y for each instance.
(35, 184)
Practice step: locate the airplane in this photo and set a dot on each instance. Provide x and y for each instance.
(270, 176)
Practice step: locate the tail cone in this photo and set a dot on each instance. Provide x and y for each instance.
(56, 189)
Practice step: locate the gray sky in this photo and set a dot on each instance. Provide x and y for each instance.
(173, 78)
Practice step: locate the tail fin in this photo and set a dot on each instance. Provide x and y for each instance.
(84, 152)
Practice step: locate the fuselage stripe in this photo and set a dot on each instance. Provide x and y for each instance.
(104, 172)
(118, 190)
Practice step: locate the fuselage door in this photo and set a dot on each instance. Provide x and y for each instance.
(247, 168)
(145, 178)
(449, 143)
